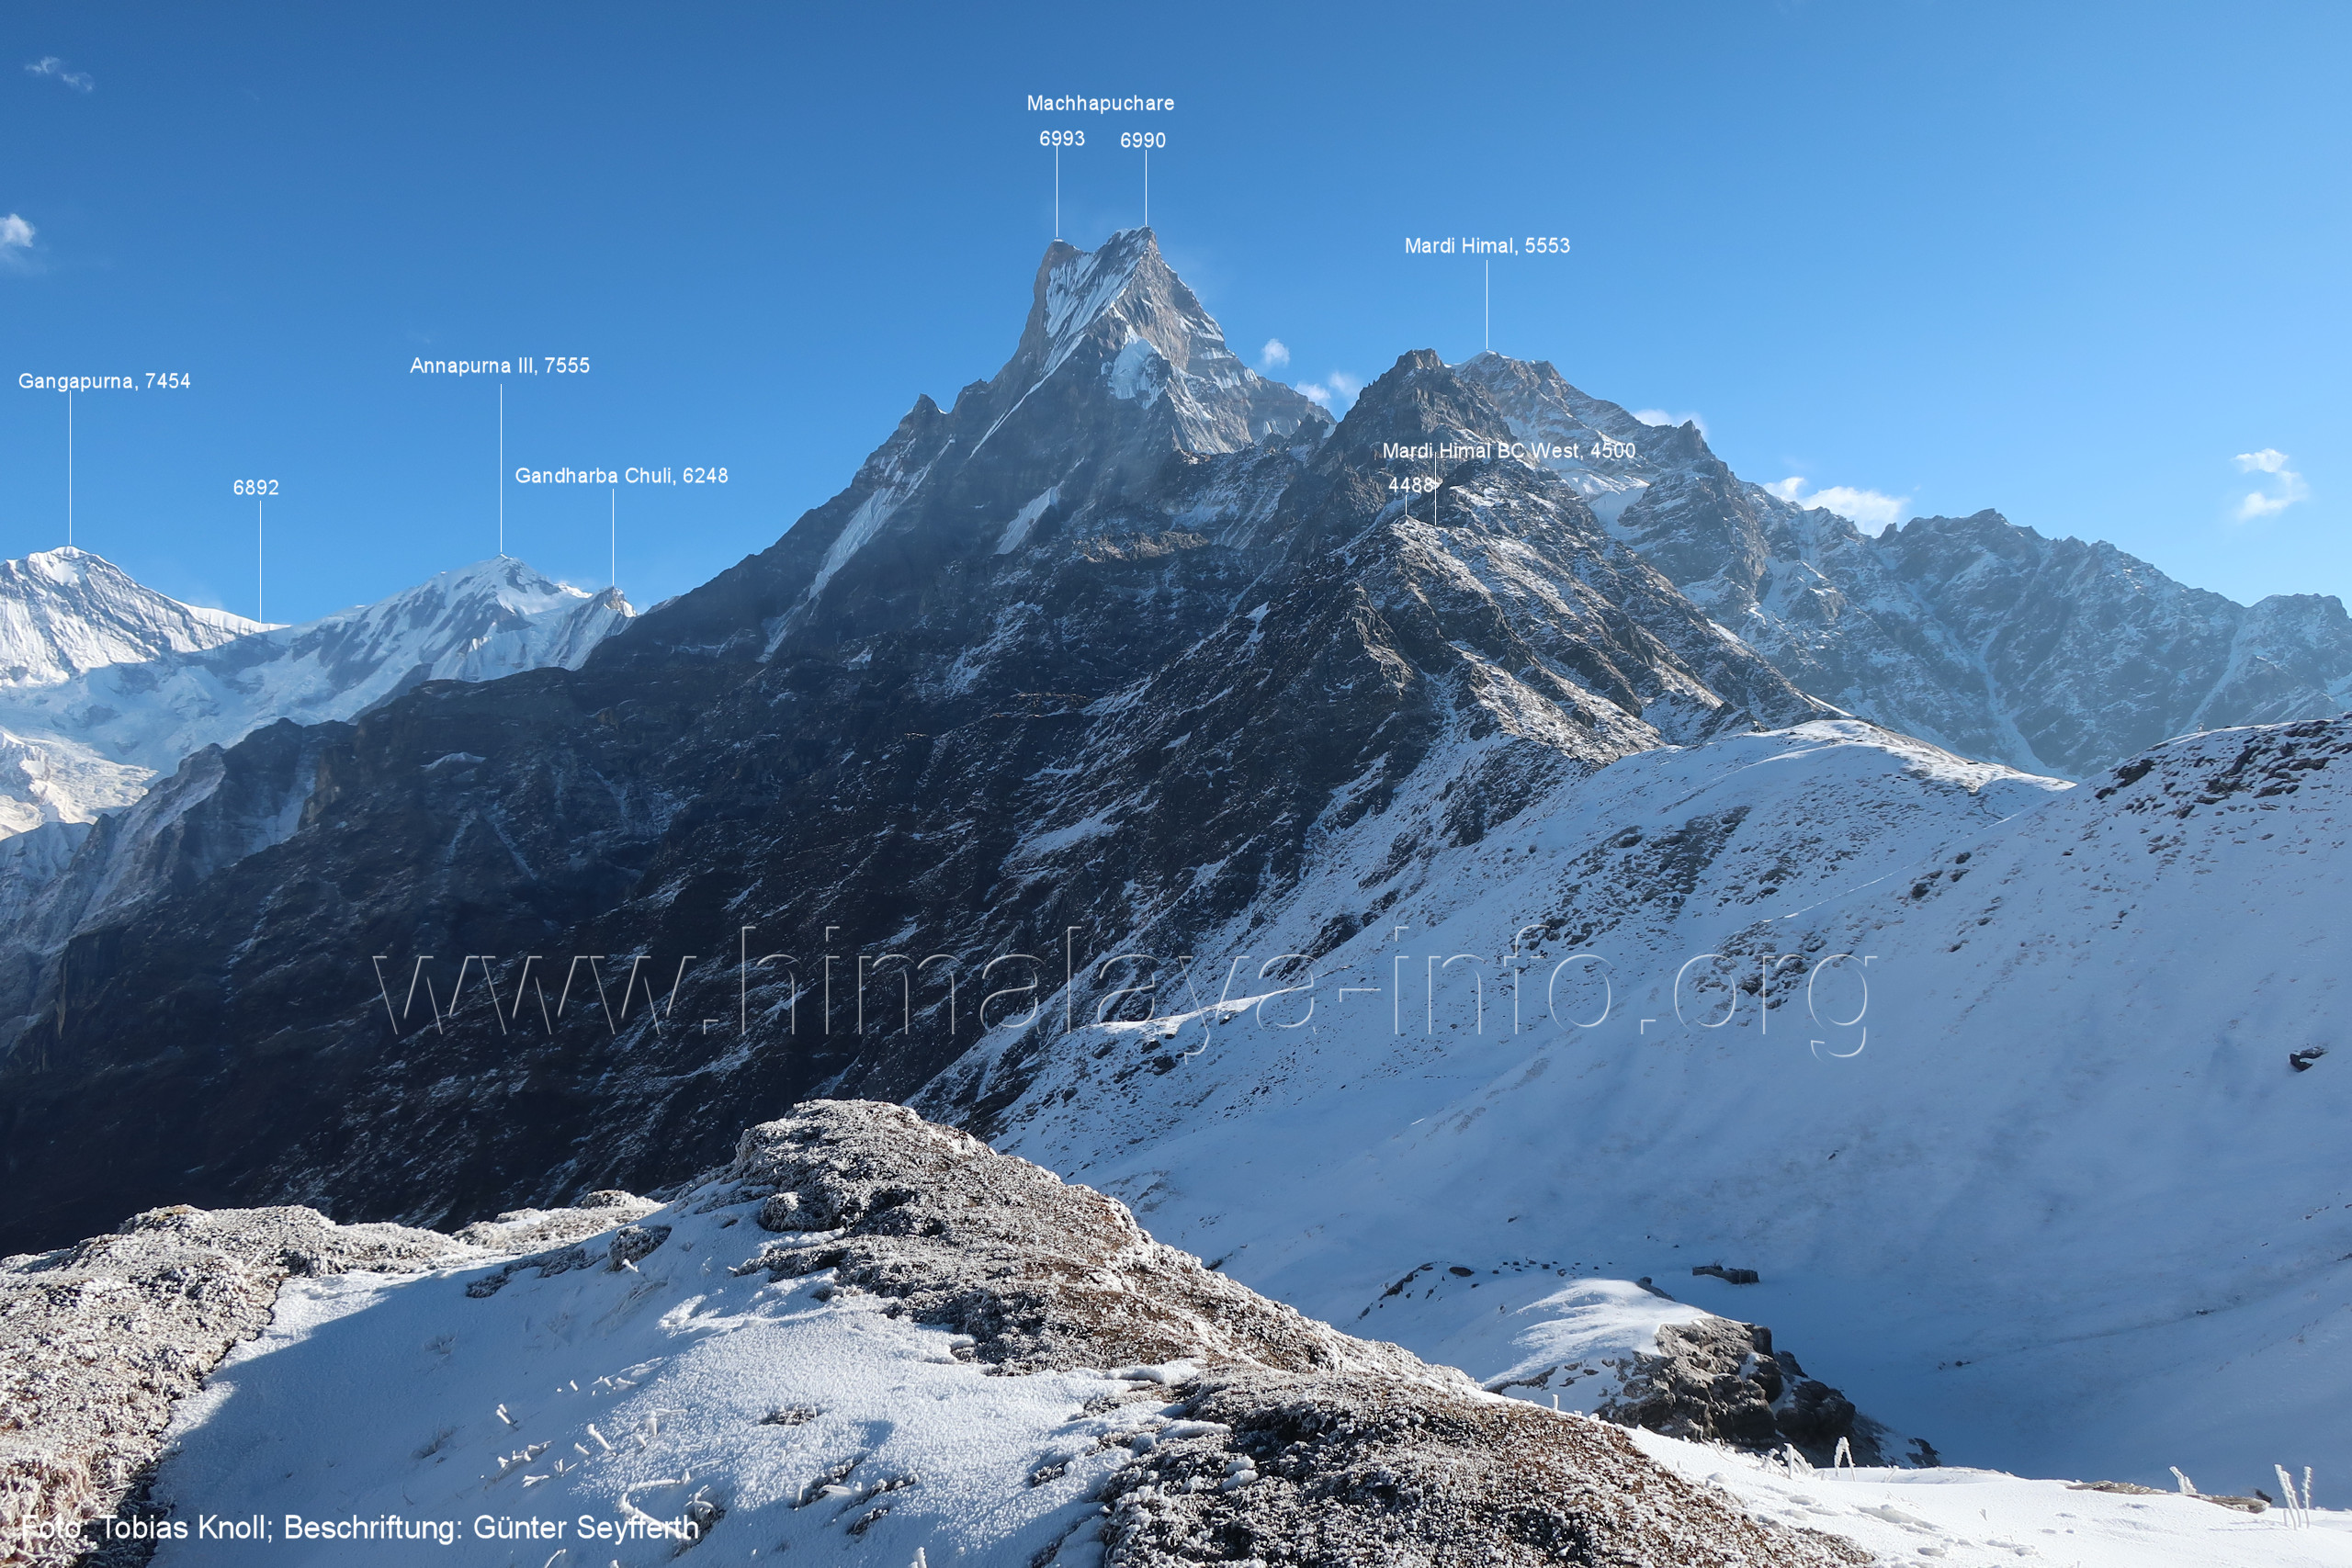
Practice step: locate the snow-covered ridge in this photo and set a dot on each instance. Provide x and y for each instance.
(66, 612)
(2049, 654)
(91, 740)
(1610, 456)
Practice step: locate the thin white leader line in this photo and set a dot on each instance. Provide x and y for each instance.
(1490, 307)
(69, 469)
(1146, 188)
(1058, 193)
(261, 603)
(501, 470)
(615, 540)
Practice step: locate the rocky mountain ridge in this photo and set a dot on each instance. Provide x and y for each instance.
(919, 669)
(2054, 656)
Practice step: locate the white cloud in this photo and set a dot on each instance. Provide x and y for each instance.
(1274, 355)
(1659, 416)
(2255, 504)
(16, 244)
(1873, 511)
(49, 65)
(1337, 391)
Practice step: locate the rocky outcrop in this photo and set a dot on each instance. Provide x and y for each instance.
(100, 1339)
(1720, 1381)
(1352, 1469)
(1037, 1273)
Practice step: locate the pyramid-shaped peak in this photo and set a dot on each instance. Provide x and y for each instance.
(1119, 322)
(1124, 290)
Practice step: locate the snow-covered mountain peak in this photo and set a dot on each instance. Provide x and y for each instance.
(66, 611)
(1120, 317)
(1126, 284)
(1610, 456)
(470, 623)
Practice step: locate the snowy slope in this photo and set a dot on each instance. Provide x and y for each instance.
(678, 1384)
(2065, 1146)
(644, 1390)
(79, 746)
(868, 1339)
(624, 1395)
(66, 612)
(1958, 1518)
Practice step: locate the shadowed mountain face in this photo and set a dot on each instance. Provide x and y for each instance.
(1100, 651)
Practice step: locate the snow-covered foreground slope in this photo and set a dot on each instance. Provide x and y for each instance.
(2049, 1194)
(866, 1339)
(1983, 1518)
(798, 1422)
(90, 736)
(941, 1369)
(636, 1395)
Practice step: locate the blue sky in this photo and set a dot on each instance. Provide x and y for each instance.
(2071, 263)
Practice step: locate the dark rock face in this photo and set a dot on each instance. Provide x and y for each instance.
(1101, 647)
(2092, 656)
(221, 806)
(2050, 655)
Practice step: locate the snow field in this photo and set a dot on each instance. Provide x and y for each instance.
(813, 1420)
